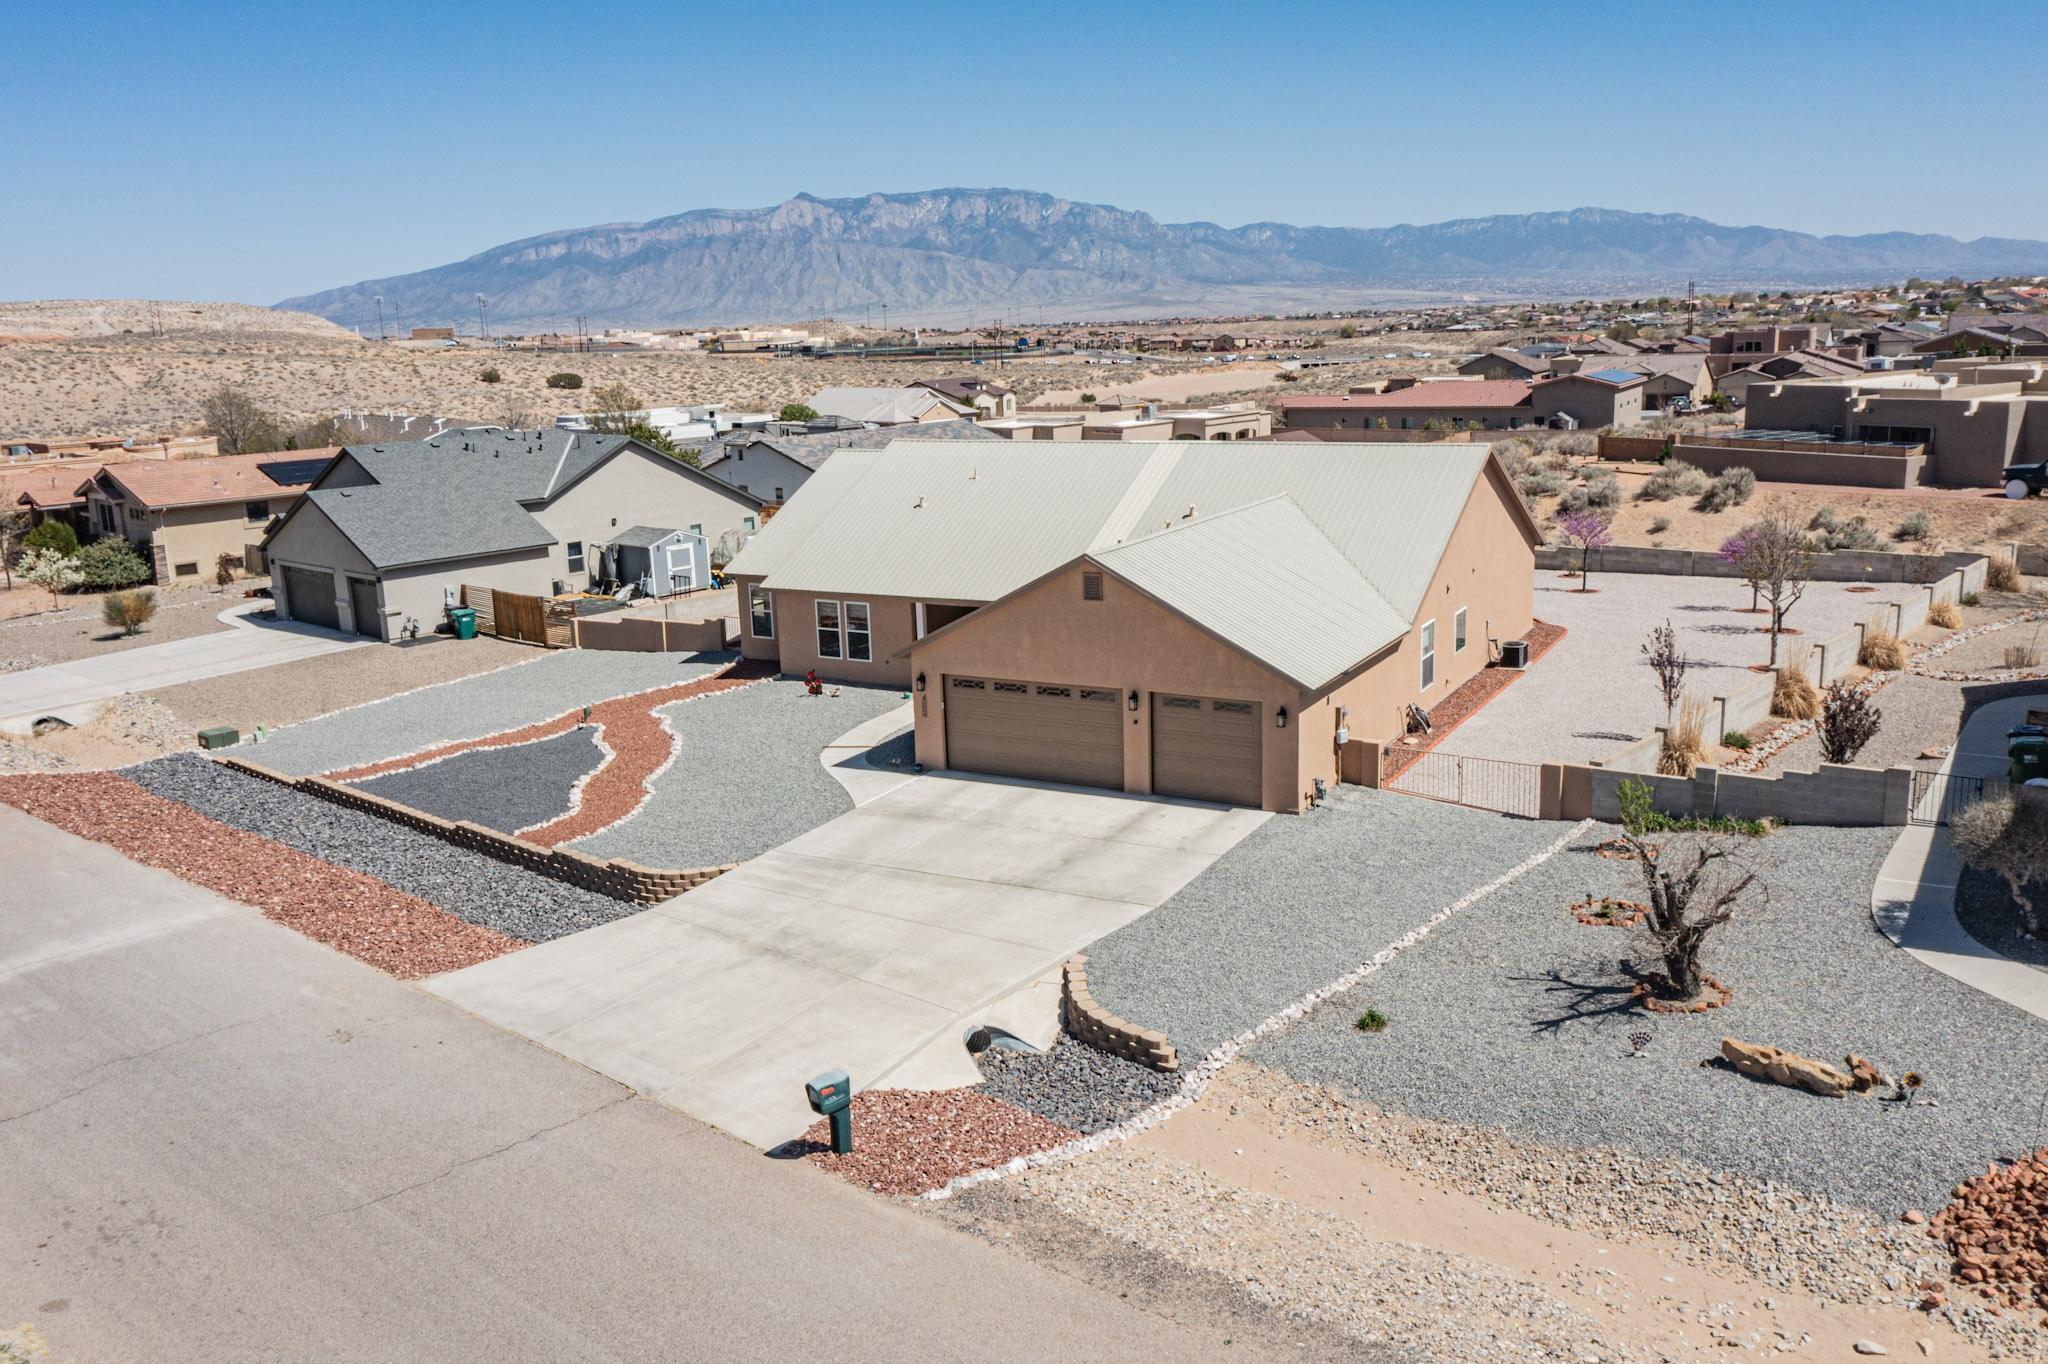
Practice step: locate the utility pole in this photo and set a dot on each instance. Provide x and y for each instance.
(481, 326)
(380, 318)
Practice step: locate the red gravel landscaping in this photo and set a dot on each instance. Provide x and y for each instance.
(908, 1141)
(348, 911)
(1447, 714)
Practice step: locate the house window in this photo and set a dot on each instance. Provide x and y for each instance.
(859, 642)
(135, 513)
(778, 495)
(256, 511)
(1428, 654)
(106, 518)
(187, 570)
(1458, 632)
(829, 641)
(575, 556)
(761, 612)
(697, 529)
(747, 521)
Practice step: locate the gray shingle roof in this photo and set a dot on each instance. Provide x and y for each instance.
(640, 537)
(813, 450)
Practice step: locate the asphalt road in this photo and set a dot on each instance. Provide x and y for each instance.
(223, 1141)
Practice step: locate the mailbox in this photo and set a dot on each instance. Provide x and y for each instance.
(831, 1095)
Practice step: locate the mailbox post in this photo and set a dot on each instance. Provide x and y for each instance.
(831, 1094)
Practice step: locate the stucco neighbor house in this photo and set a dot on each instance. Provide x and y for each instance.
(773, 467)
(1168, 617)
(183, 514)
(390, 533)
(1592, 398)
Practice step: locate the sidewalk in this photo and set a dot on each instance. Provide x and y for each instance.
(1913, 902)
(72, 691)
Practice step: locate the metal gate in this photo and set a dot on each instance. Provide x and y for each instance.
(1513, 788)
(1938, 796)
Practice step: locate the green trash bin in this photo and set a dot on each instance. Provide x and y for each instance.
(463, 618)
(2027, 748)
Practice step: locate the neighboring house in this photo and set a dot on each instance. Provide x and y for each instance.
(773, 467)
(390, 533)
(1982, 339)
(1667, 379)
(1974, 418)
(1166, 617)
(987, 397)
(111, 449)
(50, 492)
(1137, 421)
(184, 514)
(1482, 404)
(887, 406)
(1594, 398)
(1506, 364)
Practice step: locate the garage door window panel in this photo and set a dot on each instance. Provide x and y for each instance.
(830, 642)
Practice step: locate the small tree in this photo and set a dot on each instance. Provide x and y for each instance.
(1349, 331)
(797, 412)
(1847, 722)
(1735, 551)
(1588, 530)
(128, 611)
(49, 570)
(13, 524)
(613, 407)
(1776, 557)
(56, 535)
(1669, 665)
(2007, 833)
(225, 567)
(1693, 889)
(110, 562)
(233, 418)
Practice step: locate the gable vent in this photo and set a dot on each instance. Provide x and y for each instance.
(1091, 587)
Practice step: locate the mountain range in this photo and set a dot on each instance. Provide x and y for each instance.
(966, 255)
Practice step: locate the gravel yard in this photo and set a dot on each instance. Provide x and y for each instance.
(506, 789)
(507, 698)
(1073, 1084)
(1302, 900)
(746, 776)
(906, 1141)
(1918, 713)
(475, 888)
(75, 630)
(1515, 1016)
(1595, 692)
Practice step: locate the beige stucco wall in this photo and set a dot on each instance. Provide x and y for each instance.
(632, 489)
(310, 540)
(420, 592)
(200, 535)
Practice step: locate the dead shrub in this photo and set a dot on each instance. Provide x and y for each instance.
(1944, 615)
(1685, 741)
(1793, 695)
(2003, 575)
(1882, 650)
(2022, 656)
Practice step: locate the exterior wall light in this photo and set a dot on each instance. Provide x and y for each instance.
(1280, 718)
(1131, 703)
(920, 681)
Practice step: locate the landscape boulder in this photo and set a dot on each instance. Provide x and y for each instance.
(1786, 1068)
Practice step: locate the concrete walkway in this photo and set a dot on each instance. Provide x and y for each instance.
(1914, 900)
(872, 943)
(72, 691)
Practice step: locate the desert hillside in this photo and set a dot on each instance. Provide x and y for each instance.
(80, 317)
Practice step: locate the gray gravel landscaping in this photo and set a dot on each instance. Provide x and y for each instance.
(897, 754)
(1514, 1016)
(507, 789)
(1985, 908)
(474, 707)
(1918, 713)
(468, 885)
(1072, 1083)
(746, 776)
(1301, 901)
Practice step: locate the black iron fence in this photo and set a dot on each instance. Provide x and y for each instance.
(1514, 788)
(1937, 796)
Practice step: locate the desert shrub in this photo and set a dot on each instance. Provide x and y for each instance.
(1685, 744)
(1556, 461)
(489, 374)
(565, 380)
(1659, 525)
(1600, 492)
(2002, 575)
(2022, 656)
(797, 412)
(1372, 1020)
(1881, 650)
(1735, 739)
(1917, 527)
(56, 535)
(1639, 816)
(1944, 615)
(1970, 599)
(110, 562)
(1540, 483)
(1847, 722)
(1833, 534)
(2007, 834)
(128, 612)
(1730, 488)
(1793, 695)
(1087, 397)
(1576, 443)
(1675, 479)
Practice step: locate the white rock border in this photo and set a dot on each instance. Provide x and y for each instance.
(1197, 1081)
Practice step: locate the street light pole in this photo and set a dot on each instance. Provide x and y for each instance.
(481, 325)
(380, 318)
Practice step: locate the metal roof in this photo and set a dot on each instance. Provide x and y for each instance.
(1307, 613)
(971, 521)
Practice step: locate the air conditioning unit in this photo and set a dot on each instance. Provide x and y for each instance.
(1515, 654)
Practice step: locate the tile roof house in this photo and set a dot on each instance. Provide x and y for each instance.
(390, 533)
(184, 514)
(887, 406)
(1172, 617)
(773, 467)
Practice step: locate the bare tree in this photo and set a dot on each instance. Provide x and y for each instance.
(1775, 555)
(1669, 665)
(13, 525)
(233, 418)
(2007, 833)
(1693, 886)
(613, 407)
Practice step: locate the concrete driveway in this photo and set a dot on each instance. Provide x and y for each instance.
(71, 691)
(223, 1141)
(871, 943)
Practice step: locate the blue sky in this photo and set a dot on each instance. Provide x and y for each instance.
(252, 152)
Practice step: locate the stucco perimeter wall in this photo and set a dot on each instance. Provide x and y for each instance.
(1875, 566)
(1835, 796)
(1808, 466)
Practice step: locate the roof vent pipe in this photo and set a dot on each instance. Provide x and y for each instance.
(1191, 513)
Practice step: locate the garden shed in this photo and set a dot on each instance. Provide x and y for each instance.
(660, 561)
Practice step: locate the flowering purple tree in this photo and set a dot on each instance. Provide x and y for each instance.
(1589, 531)
(1736, 550)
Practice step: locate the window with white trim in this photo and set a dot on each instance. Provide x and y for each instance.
(575, 548)
(1458, 632)
(760, 612)
(860, 645)
(1428, 654)
(830, 638)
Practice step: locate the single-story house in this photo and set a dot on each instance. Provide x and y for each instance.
(887, 406)
(987, 397)
(391, 533)
(1595, 398)
(1168, 617)
(1667, 379)
(184, 514)
(1472, 404)
(1506, 364)
(773, 467)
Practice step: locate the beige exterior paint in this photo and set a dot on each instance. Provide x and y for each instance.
(174, 538)
(633, 488)
(318, 546)
(892, 625)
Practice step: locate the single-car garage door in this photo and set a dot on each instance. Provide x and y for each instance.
(309, 596)
(1204, 749)
(1047, 731)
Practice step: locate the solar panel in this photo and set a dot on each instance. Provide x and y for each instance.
(289, 472)
(1615, 376)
